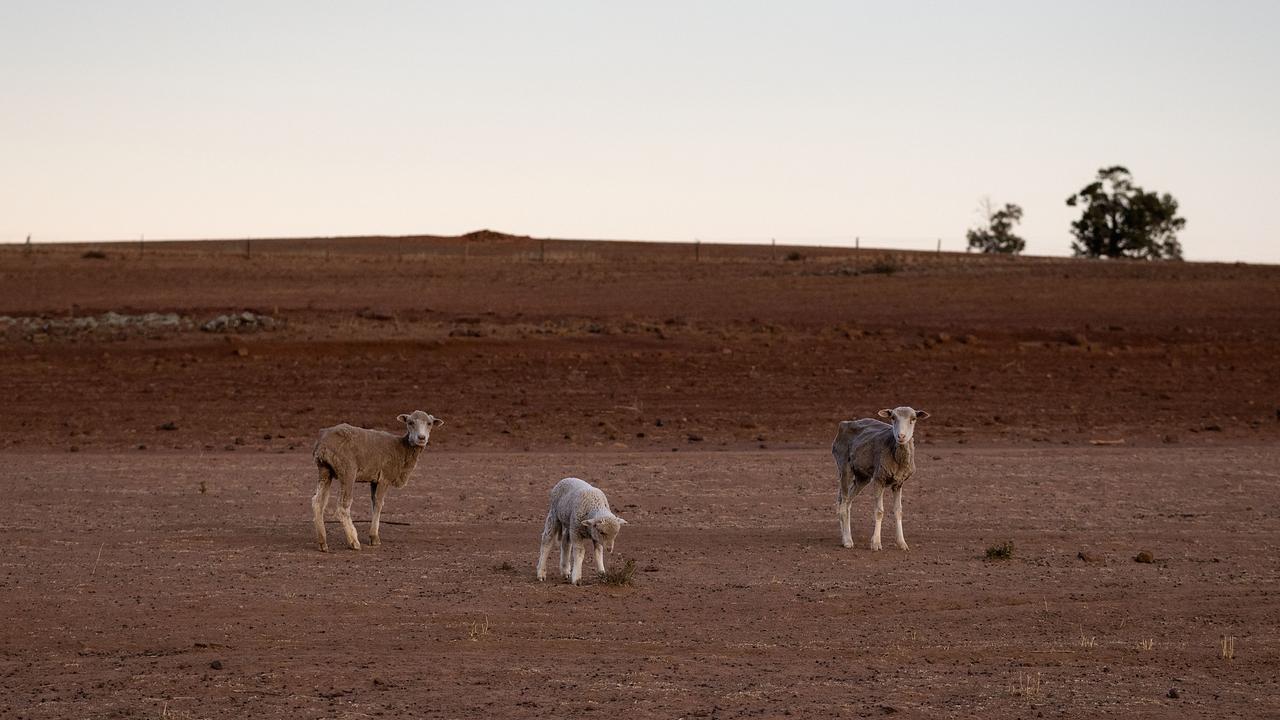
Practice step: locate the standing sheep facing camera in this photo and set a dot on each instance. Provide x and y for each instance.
(351, 454)
(578, 512)
(869, 451)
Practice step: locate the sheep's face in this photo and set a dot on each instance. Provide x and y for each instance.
(604, 531)
(904, 422)
(419, 425)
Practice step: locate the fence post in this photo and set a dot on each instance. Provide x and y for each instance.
(857, 243)
(697, 250)
(542, 250)
(27, 249)
(773, 248)
(939, 246)
(248, 248)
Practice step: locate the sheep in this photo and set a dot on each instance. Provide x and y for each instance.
(578, 512)
(869, 450)
(351, 454)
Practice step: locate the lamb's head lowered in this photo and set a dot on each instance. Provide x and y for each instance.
(419, 425)
(604, 530)
(904, 421)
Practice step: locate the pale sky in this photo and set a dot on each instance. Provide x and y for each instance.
(811, 122)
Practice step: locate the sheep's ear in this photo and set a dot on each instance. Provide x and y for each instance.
(436, 422)
(920, 414)
(885, 413)
(588, 524)
(402, 418)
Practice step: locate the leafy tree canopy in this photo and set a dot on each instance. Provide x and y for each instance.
(1120, 219)
(997, 236)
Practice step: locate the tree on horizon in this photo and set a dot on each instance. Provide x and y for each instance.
(1121, 220)
(997, 236)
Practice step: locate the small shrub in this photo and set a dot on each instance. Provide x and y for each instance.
(620, 576)
(884, 267)
(94, 255)
(794, 256)
(504, 567)
(1003, 551)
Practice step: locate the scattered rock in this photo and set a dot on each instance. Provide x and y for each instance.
(41, 329)
(371, 314)
(242, 322)
(1173, 693)
(216, 664)
(171, 425)
(694, 437)
(1088, 557)
(1213, 427)
(1144, 557)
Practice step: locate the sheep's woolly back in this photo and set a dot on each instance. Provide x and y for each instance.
(575, 501)
(870, 447)
(366, 455)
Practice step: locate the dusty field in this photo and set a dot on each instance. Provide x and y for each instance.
(123, 581)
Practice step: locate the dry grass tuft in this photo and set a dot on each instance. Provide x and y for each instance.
(620, 576)
(1027, 685)
(1003, 551)
(478, 630)
(1227, 647)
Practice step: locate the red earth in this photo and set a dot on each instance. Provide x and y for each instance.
(159, 478)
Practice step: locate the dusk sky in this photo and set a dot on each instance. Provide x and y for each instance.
(811, 122)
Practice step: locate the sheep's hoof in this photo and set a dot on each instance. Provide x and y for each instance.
(847, 543)
(542, 577)
(324, 548)
(354, 546)
(373, 540)
(875, 546)
(903, 546)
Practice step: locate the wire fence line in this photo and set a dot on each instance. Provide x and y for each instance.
(494, 245)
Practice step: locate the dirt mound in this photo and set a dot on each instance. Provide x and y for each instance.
(490, 236)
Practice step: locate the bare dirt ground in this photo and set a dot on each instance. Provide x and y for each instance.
(126, 578)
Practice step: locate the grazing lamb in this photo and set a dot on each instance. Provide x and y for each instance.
(869, 450)
(578, 512)
(350, 455)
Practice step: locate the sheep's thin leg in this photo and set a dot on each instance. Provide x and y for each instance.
(566, 552)
(344, 513)
(548, 537)
(318, 503)
(599, 557)
(848, 490)
(897, 517)
(875, 535)
(379, 493)
(579, 552)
